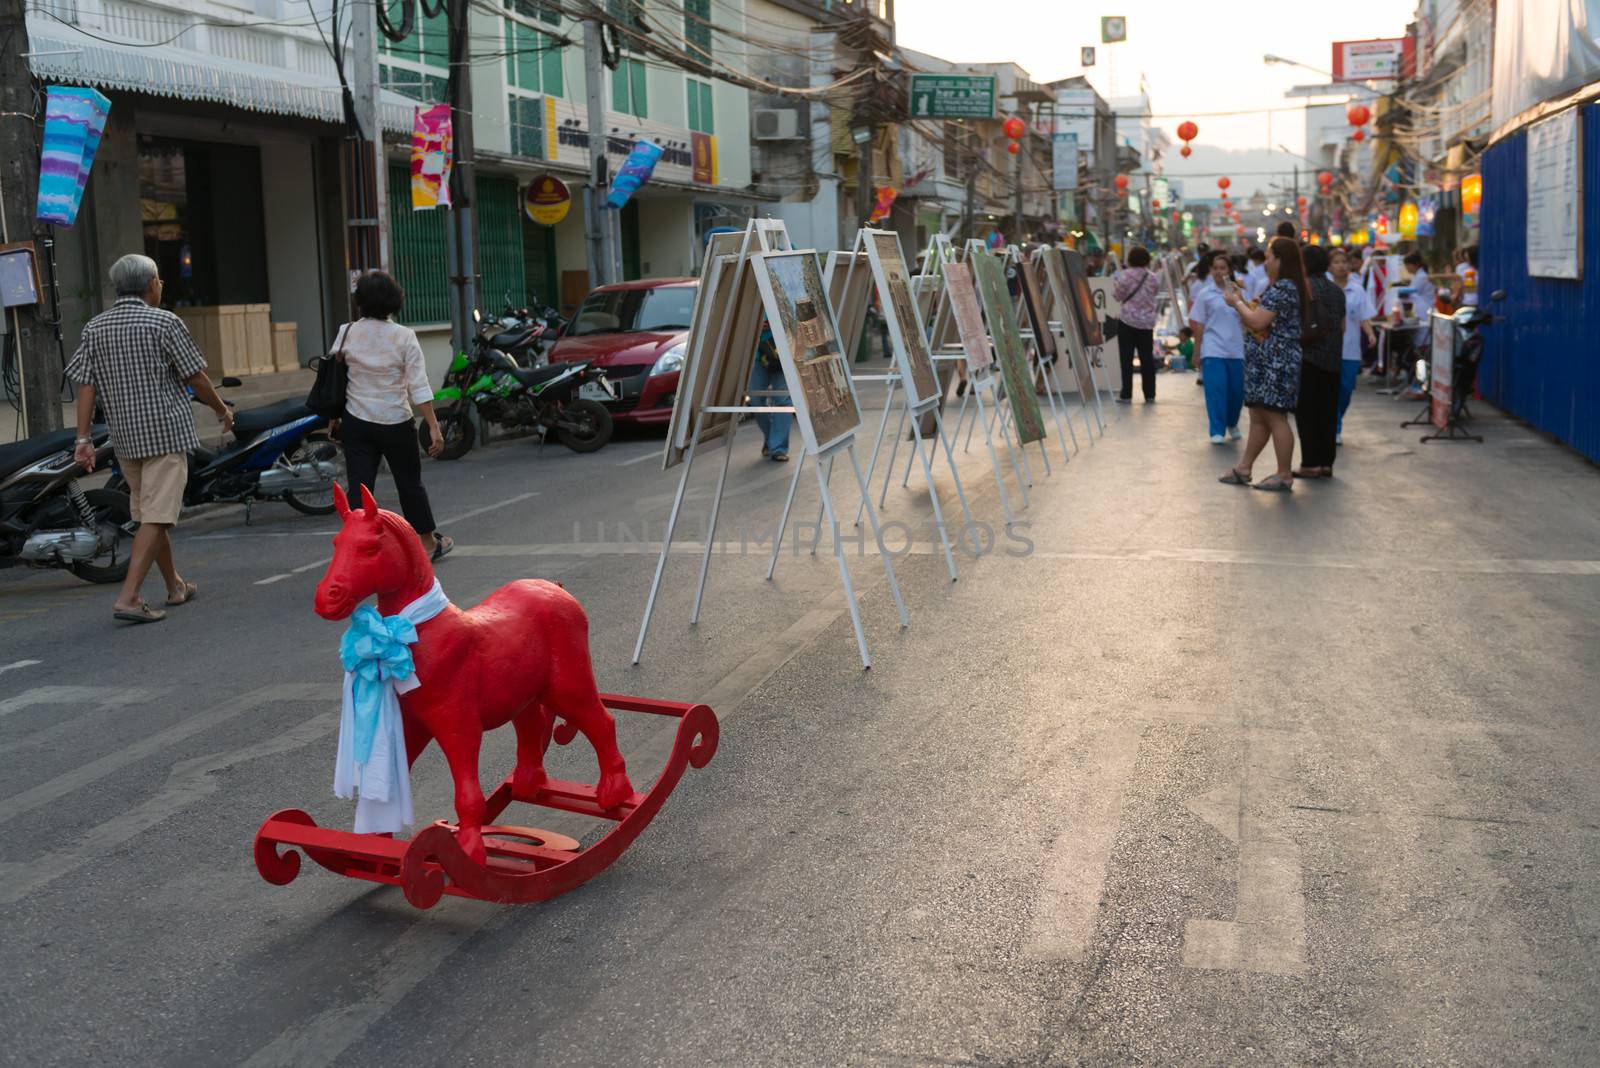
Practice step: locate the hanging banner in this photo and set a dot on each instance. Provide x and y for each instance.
(430, 158)
(547, 200)
(883, 199)
(74, 120)
(703, 147)
(1064, 161)
(634, 172)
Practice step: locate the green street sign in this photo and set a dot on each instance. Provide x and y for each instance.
(952, 96)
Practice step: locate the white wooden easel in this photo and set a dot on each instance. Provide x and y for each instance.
(761, 237)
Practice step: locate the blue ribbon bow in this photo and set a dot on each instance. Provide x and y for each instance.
(374, 649)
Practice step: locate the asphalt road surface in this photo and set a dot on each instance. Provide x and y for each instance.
(1180, 773)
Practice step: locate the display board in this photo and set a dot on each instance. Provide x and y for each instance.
(1077, 315)
(1555, 196)
(990, 273)
(1442, 371)
(796, 303)
(1036, 307)
(900, 310)
(1103, 293)
(723, 328)
(1078, 294)
(848, 280)
(962, 296)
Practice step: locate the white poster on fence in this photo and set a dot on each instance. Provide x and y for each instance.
(1555, 197)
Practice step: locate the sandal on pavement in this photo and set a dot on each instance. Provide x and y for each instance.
(1274, 484)
(442, 545)
(143, 614)
(780, 457)
(190, 590)
(1235, 478)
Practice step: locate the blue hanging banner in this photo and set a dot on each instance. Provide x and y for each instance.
(74, 120)
(634, 172)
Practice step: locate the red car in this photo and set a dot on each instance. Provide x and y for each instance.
(637, 332)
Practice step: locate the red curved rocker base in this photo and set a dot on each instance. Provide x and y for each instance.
(524, 864)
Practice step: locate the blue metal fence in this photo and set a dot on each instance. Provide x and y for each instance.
(1543, 363)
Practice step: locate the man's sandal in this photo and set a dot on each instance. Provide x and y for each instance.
(143, 614)
(190, 590)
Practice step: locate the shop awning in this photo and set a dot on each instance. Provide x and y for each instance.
(60, 53)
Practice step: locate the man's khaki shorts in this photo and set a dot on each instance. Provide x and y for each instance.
(155, 486)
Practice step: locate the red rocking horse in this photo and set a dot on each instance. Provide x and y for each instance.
(521, 657)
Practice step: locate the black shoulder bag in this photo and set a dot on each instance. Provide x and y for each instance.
(327, 394)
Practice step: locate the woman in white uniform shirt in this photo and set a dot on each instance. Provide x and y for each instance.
(1219, 342)
(388, 382)
(1358, 315)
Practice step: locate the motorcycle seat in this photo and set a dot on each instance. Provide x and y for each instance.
(509, 340)
(533, 376)
(20, 454)
(248, 424)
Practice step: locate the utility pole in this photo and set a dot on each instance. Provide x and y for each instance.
(461, 244)
(364, 87)
(602, 245)
(972, 182)
(865, 136)
(1016, 186)
(32, 341)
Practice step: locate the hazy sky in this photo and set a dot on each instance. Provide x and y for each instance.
(1195, 58)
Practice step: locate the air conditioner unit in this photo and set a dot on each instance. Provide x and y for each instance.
(777, 124)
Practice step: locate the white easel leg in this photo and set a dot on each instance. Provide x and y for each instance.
(1023, 481)
(961, 414)
(877, 443)
(994, 462)
(666, 543)
(844, 565)
(950, 456)
(783, 523)
(933, 494)
(711, 524)
(1047, 372)
(1094, 381)
(894, 451)
(822, 506)
(877, 537)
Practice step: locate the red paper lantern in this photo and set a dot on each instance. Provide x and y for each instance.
(1013, 148)
(1188, 131)
(1359, 135)
(1326, 178)
(1226, 203)
(1177, 216)
(1013, 128)
(1223, 183)
(1184, 151)
(1155, 205)
(1302, 201)
(1358, 114)
(1122, 183)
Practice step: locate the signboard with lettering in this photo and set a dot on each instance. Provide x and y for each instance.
(1555, 197)
(1380, 59)
(1064, 161)
(952, 96)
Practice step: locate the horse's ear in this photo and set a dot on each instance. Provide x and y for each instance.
(340, 501)
(368, 505)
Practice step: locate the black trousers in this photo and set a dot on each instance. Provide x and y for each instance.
(1317, 415)
(1129, 340)
(365, 444)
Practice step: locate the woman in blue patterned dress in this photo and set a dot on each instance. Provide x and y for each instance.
(1272, 363)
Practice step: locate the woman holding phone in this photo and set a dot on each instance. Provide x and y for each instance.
(1272, 360)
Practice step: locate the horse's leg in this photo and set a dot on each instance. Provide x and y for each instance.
(533, 738)
(417, 739)
(461, 752)
(577, 701)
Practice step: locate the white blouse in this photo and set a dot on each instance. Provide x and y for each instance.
(387, 372)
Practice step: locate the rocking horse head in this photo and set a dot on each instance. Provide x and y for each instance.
(377, 552)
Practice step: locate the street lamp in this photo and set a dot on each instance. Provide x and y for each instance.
(1271, 60)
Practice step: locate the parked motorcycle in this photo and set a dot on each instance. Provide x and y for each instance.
(488, 387)
(279, 452)
(527, 336)
(48, 520)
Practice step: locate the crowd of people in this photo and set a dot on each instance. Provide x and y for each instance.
(1275, 331)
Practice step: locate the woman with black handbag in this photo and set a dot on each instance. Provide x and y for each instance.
(386, 388)
(1135, 287)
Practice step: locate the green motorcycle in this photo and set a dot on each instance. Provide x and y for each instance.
(488, 387)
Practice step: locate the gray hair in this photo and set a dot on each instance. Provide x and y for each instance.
(132, 274)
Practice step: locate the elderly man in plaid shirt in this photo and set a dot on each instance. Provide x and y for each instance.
(136, 358)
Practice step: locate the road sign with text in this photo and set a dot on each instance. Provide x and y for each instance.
(952, 96)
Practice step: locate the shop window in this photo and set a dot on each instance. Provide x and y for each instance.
(701, 117)
(429, 40)
(533, 59)
(697, 29)
(628, 94)
(527, 126)
(412, 82)
(204, 221)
